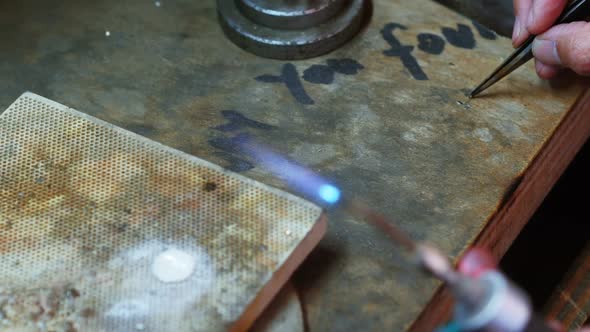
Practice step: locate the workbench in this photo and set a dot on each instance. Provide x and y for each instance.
(385, 116)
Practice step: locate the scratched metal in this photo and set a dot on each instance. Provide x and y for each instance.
(417, 150)
(87, 209)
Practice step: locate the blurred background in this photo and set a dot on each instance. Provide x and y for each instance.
(497, 15)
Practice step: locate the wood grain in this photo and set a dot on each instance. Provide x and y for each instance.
(570, 302)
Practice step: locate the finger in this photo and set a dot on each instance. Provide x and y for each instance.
(555, 325)
(521, 11)
(546, 71)
(566, 45)
(543, 14)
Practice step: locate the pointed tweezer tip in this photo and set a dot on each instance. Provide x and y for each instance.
(474, 93)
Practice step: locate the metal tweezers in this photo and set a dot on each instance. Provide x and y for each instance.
(576, 11)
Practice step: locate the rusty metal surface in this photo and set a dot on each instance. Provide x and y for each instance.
(404, 137)
(102, 230)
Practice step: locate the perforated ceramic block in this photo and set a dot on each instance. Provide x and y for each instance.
(103, 230)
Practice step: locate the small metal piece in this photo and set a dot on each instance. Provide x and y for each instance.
(288, 30)
(577, 10)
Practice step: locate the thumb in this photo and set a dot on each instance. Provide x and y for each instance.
(566, 45)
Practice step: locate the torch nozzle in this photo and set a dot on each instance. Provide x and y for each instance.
(436, 263)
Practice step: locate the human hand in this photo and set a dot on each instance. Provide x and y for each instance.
(561, 46)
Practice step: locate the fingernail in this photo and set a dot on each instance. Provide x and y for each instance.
(531, 18)
(546, 51)
(516, 31)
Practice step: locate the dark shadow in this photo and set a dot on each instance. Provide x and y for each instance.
(309, 274)
(497, 15)
(367, 15)
(551, 241)
(566, 79)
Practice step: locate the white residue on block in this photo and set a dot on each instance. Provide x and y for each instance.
(173, 265)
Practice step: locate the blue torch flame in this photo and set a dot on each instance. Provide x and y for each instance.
(329, 193)
(299, 178)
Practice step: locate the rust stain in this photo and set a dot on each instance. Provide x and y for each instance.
(96, 220)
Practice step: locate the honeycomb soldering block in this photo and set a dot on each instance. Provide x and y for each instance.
(104, 230)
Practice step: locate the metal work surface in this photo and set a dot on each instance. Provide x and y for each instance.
(102, 230)
(385, 116)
